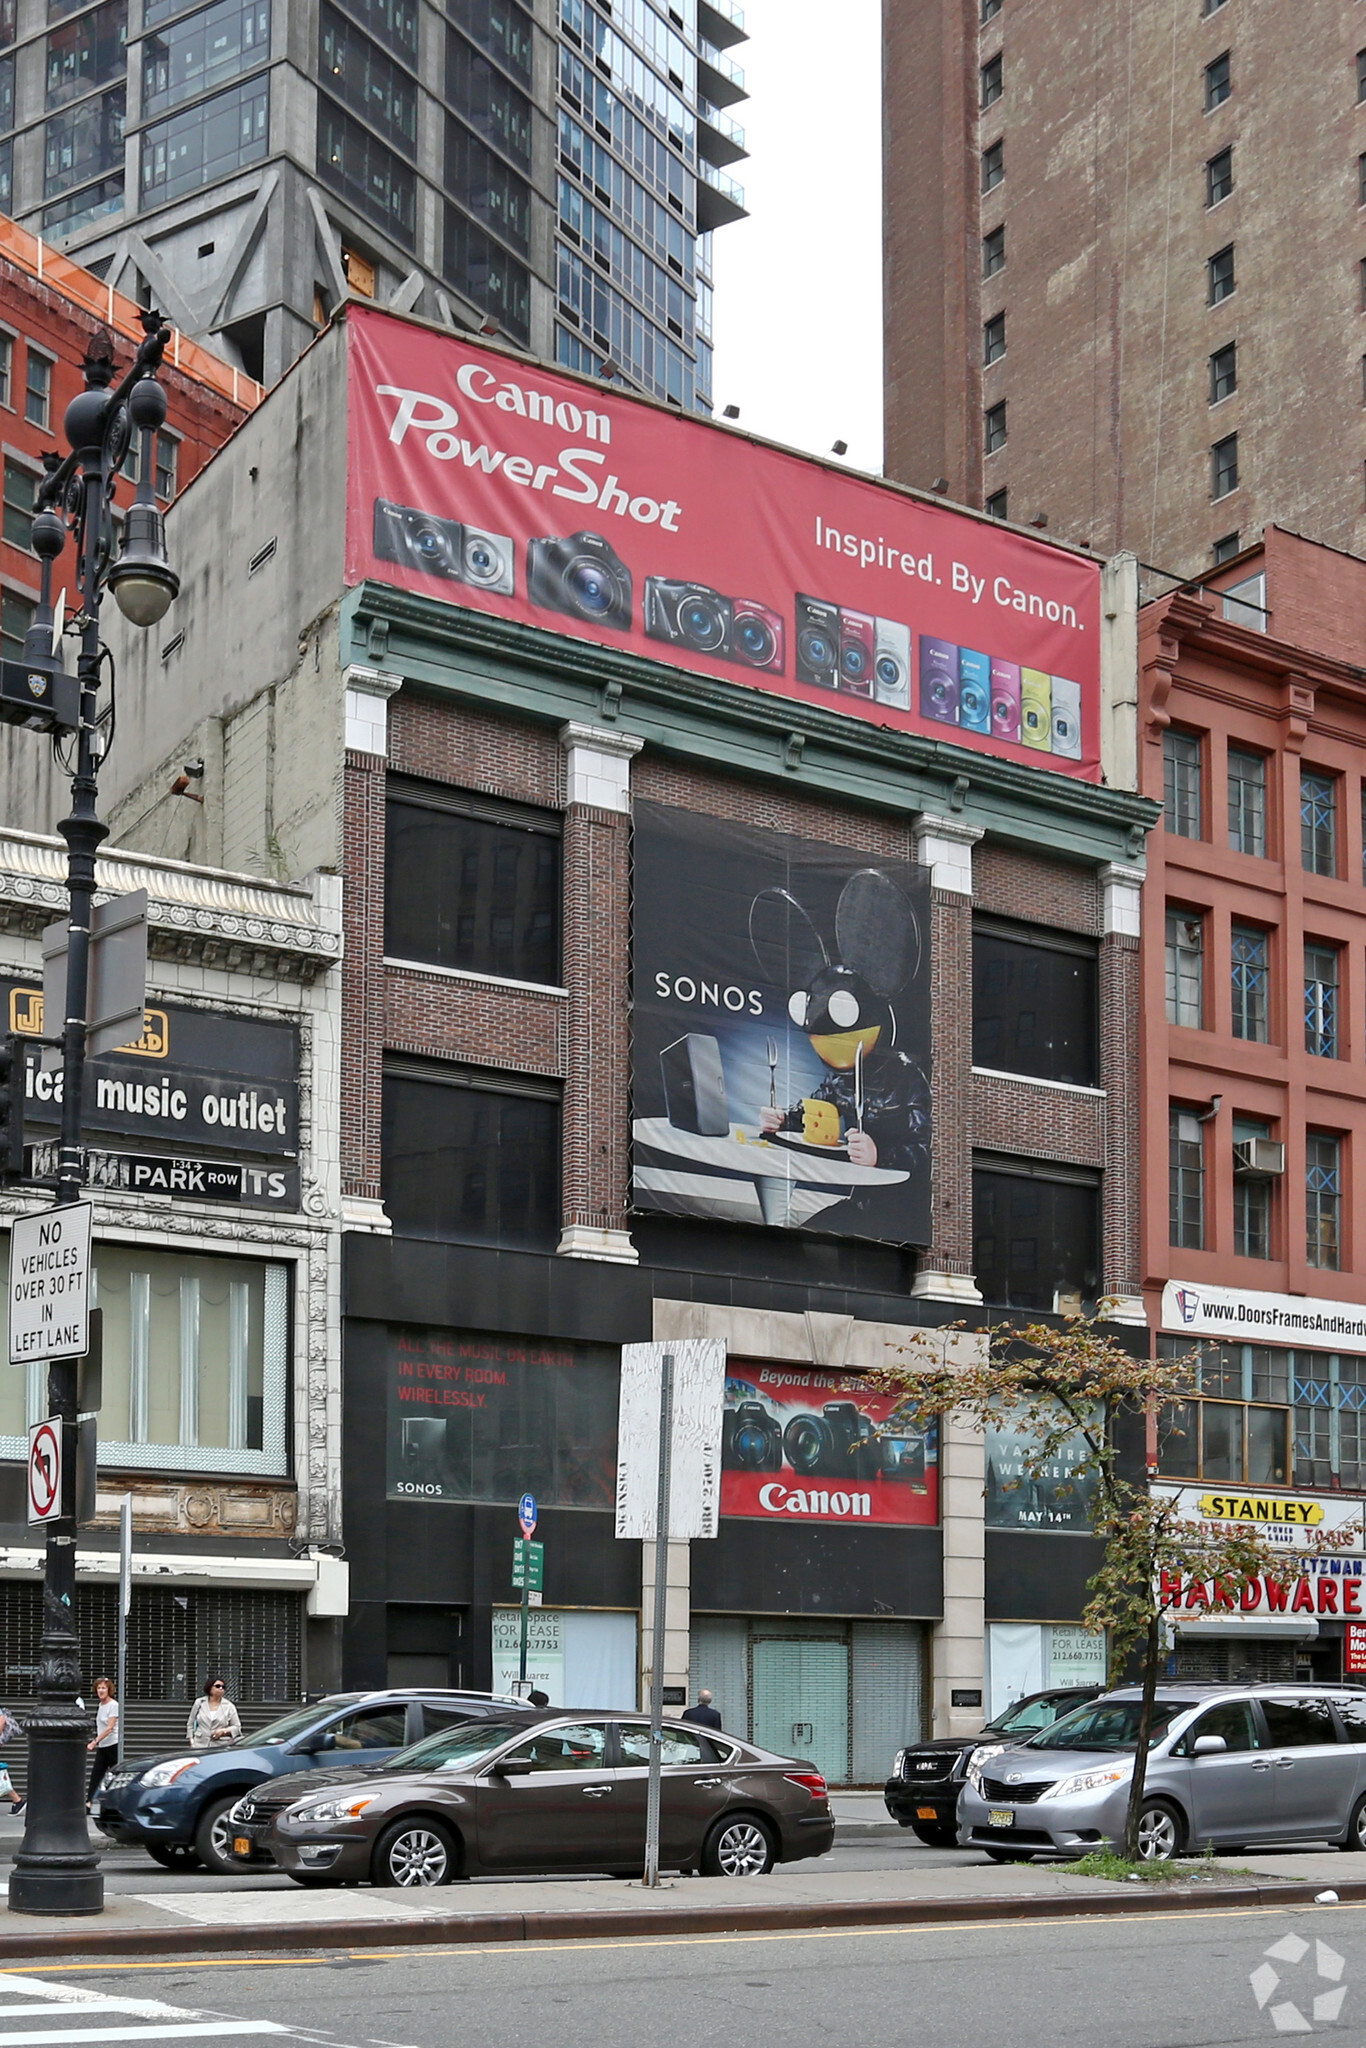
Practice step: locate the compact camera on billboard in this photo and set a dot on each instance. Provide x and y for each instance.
(892, 664)
(443, 547)
(687, 615)
(583, 576)
(974, 690)
(694, 615)
(757, 635)
(1066, 718)
(818, 642)
(751, 1441)
(858, 653)
(838, 1443)
(1036, 709)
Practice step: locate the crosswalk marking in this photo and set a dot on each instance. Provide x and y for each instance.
(209, 2030)
(76, 1994)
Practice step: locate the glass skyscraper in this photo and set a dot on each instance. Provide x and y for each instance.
(551, 169)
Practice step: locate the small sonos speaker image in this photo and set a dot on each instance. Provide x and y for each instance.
(695, 1085)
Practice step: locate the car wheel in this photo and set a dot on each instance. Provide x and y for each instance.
(1160, 1831)
(1010, 1855)
(1356, 1827)
(213, 1836)
(740, 1847)
(935, 1834)
(414, 1852)
(172, 1855)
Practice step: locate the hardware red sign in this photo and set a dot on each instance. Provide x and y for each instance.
(538, 497)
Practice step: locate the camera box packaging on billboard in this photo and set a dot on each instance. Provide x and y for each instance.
(780, 1030)
(482, 480)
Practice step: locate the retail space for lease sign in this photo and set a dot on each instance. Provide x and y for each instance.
(780, 1030)
(490, 482)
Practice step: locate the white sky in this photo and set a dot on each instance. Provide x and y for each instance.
(798, 312)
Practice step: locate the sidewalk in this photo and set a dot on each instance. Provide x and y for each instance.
(804, 1895)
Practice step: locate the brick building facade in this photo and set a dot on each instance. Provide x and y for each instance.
(1123, 268)
(393, 713)
(1254, 1025)
(52, 309)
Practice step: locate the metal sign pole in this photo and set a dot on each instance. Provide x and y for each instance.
(526, 1608)
(666, 1430)
(125, 1607)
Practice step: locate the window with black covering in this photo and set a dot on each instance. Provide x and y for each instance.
(1034, 1002)
(489, 102)
(1035, 1233)
(471, 882)
(471, 1155)
(483, 272)
(487, 188)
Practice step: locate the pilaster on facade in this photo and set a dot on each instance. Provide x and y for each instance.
(677, 1603)
(1122, 899)
(959, 1637)
(598, 765)
(368, 691)
(944, 846)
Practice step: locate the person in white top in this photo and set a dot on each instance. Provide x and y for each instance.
(105, 1748)
(213, 1718)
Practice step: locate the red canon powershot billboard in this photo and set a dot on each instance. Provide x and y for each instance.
(822, 1447)
(540, 497)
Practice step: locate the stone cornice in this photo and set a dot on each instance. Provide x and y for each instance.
(239, 922)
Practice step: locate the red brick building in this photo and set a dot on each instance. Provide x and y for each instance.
(1254, 1030)
(49, 310)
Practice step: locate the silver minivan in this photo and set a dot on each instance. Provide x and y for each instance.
(1228, 1765)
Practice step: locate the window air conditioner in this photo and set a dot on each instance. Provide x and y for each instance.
(1258, 1158)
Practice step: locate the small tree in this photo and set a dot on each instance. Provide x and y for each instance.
(1061, 1387)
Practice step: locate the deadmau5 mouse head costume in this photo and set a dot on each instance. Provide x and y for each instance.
(845, 1005)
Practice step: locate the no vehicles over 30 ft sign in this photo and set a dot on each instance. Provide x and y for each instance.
(49, 1285)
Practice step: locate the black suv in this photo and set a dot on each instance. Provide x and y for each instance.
(176, 1805)
(922, 1792)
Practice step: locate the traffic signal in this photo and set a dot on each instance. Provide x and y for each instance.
(13, 1083)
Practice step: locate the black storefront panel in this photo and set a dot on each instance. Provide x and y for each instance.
(1036, 1576)
(817, 1569)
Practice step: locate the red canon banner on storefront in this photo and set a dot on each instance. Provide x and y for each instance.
(549, 499)
(821, 1447)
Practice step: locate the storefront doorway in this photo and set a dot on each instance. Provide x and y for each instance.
(844, 1694)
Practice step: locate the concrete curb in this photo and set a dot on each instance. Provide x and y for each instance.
(457, 1928)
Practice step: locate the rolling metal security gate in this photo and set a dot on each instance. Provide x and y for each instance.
(859, 1687)
(175, 1641)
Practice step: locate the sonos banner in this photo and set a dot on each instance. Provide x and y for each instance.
(1247, 1317)
(536, 496)
(780, 1030)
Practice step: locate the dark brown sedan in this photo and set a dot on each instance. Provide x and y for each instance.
(547, 1793)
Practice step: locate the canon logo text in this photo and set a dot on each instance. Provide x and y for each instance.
(798, 1500)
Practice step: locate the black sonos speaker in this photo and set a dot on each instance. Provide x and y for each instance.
(695, 1085)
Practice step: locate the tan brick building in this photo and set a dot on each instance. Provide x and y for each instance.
(1124, 268)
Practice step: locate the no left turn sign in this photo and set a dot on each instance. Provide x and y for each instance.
(45, 1471)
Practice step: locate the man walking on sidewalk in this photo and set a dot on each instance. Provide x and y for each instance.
(704, 1714)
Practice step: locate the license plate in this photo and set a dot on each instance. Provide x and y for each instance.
(926, 1813)
(1001, 1817)
(241, 1845)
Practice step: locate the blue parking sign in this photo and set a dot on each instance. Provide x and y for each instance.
(526, 1513)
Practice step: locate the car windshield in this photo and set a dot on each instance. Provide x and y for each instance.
(458, 1748)
(1025, 1716)
(1107, 1724)
(299, 1723)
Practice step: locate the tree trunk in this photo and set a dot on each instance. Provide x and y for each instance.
(1152, 1650)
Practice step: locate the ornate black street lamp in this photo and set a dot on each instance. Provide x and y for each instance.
(56, 1870)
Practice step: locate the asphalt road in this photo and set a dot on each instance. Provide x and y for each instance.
(1184, 1981)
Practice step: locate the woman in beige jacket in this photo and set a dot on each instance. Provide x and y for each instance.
(213, 1718)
